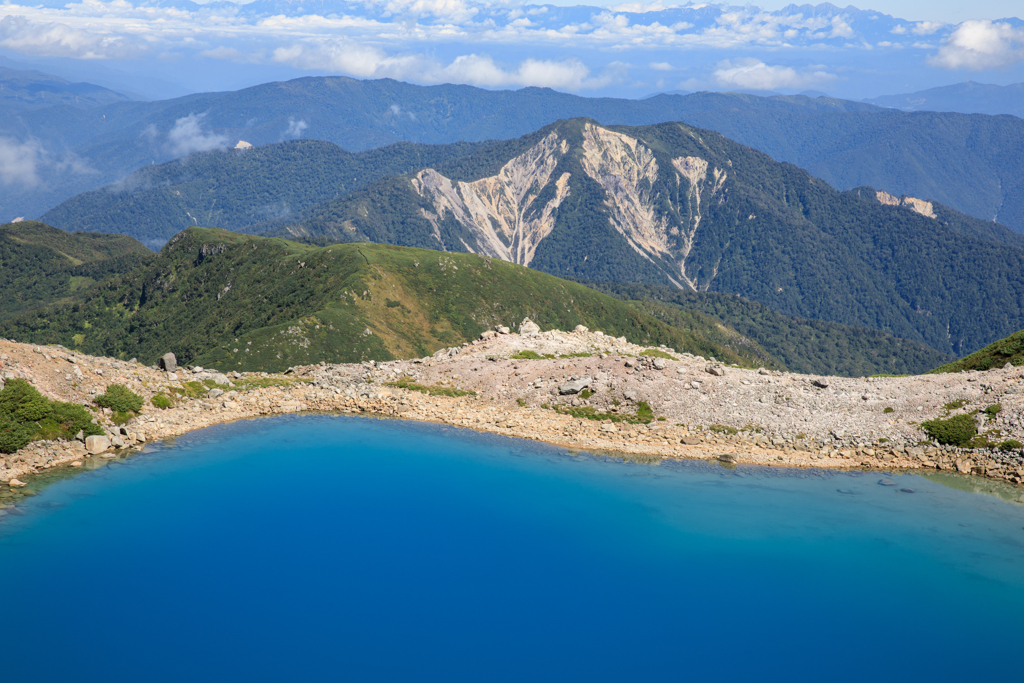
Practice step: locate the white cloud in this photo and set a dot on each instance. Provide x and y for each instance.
(295, 128)
(926, 28)
(981, 44)
(187, 136)
(661, 66)
(362, 61)
(19, 162)
(753, 74)
(50, 39)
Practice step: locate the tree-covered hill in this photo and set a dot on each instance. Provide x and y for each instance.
(674, 205)
(238, 189)
(237, 302)
(809, 346)
(40, 264)
(969, 162)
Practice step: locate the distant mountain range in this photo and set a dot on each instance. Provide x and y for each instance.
(20, 89)
(967, 98)
(967, 162)
(674, 205)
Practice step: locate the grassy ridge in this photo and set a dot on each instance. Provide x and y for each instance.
(231, 301)
(995, 355)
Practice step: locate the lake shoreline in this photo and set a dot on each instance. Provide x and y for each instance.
(499, 394)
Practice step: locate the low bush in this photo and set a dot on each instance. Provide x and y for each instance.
(956, 431)
(26, 415)
(526, 354)
(120, 399)
(993, 410)
(657, 353)
(161, 401)
(407, 383)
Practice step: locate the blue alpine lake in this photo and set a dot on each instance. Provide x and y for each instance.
(322, 547)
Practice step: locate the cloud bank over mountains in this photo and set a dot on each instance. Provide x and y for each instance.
(627, 50)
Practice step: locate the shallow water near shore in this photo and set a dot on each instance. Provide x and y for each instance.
(329, 547)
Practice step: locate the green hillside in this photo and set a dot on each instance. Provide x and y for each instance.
(238, 189)
(235, 302)
(40, 264)
(809, 346)
(744, 225)
(995, 355)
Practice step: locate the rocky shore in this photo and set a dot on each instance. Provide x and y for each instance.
(550, 386)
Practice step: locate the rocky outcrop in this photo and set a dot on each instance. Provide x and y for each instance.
(501, 212)
(914, 204)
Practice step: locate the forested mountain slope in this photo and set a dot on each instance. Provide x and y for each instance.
(968, 162)
(237, 189)
(40, 264)
(809, 346)
(238, 302)
(670, 204)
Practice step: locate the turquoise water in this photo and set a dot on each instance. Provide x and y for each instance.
(341, 548)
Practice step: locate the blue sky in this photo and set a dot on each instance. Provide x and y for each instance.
(625, 49)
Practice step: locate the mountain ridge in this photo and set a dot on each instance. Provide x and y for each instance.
(968, 162)
(673, 204)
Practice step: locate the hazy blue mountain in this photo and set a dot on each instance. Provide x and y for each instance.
(34, 89)
(967, 162)
(967, 98)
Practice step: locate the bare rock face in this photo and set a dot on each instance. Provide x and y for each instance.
(97, 444)
(529, 327)
(501, 329)
(488, 334)
(168, 362)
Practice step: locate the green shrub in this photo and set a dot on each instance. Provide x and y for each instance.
(14, 435)
(657, 353)
(161, 401)
(585, 394)
(526, 354)
(16, 393)
(888, 409)
(993, 410)
(1010, 445)
(120, 399)
(34, 409)
(956, 431)
(954, 405)
(644, 413)
(26, 415)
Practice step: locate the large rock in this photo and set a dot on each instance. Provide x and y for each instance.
(528, 327)
(716, 370)
(659, 363)
(488, 334)
(168, 362)
(575, 386)
(221, 379)
(97, 444)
